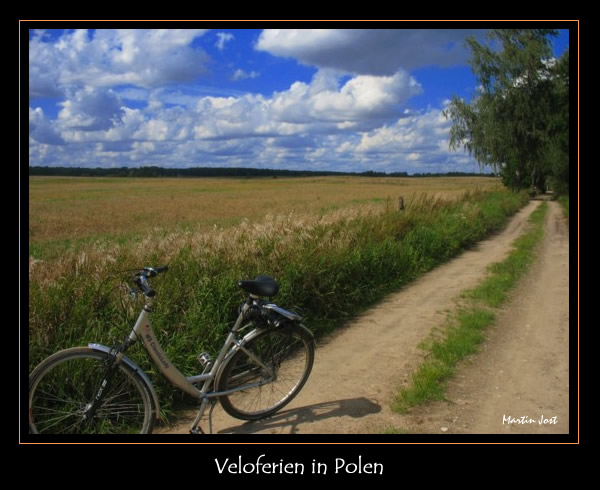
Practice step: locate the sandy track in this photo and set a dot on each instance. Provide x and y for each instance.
(523, 370)
(358, 370)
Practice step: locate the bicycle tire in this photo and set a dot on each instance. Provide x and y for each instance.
(62, 387)
(289, 351)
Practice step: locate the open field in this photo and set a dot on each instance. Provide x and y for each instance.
(336, 245)
(74, 209)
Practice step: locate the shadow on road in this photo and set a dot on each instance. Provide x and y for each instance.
(287, 422)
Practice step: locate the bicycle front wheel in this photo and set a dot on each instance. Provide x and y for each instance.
(62, 388)
(286, 355)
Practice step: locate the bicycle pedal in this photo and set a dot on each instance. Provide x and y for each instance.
(197, 430)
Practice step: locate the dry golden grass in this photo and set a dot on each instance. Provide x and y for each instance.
(329, 241)
(80, 208)
(91, 225)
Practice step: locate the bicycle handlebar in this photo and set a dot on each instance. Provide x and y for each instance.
(155, 271)
(141, 279)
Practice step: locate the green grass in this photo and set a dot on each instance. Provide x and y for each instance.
(465, 329)
(330, 270)
(564, 202)
(493, 290)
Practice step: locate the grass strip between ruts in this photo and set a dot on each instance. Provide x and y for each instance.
(464, 329)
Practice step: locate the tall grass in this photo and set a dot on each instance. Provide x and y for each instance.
(465, 329)
(329, 267)
(70, 212)
(564, 202)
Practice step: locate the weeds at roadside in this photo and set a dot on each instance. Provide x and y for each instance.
(465, 329)
(330, 267)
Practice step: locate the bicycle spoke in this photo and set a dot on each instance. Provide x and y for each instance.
(63, 391)
(288, 357)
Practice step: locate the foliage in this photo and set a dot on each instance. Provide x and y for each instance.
(518, 122)
(465, 329)
(329, 270)
(157, 172)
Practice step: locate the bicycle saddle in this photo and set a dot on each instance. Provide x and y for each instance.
(260, 286)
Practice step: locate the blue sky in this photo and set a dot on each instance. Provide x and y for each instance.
(325, 99)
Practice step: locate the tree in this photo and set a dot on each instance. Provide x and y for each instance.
(557, 151)
(517, 123)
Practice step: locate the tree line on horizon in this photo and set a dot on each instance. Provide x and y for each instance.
(222, 172)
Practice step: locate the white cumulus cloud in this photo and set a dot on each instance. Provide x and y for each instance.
(240, 74)
(107, 57)
(368, 51)
(222, 39)
(363, 99)
(90, 109)
(124, 101)
(42, 130)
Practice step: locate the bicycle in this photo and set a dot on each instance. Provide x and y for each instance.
(263, 364)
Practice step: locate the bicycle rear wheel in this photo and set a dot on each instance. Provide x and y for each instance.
(63, 386)
(288, 355)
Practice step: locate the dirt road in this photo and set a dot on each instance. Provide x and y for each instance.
(519, 384)
(522, 370)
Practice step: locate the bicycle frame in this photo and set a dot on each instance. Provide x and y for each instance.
(266, 344)
(143, 330)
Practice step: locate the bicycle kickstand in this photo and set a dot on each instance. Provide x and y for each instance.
(196, 429)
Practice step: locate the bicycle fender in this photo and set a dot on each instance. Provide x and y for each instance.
(307, 331)
(132, 365)
(249, 336)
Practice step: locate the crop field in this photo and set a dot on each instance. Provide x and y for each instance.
(72, 209)
(335, 244)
